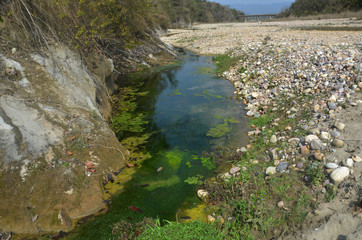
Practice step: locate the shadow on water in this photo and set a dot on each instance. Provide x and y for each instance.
(183, 104)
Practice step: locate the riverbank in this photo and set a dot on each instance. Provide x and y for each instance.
(303, 90)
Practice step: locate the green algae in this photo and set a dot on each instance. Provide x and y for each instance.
(175, 93)
(207, 94)
(219, 131)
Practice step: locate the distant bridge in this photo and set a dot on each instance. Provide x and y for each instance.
(258, 17)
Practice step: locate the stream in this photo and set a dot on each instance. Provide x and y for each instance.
(190, 111)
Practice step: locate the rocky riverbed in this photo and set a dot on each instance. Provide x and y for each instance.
(319, 73)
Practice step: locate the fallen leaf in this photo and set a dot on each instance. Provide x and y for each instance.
(69, 153)
(134, 209)
(33, 219)
(130, 165)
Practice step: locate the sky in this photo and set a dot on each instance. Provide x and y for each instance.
(256, 6)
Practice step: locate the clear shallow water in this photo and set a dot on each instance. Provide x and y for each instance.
(184, 102)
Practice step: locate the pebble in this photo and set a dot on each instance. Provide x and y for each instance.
(280, 204)
(227, 176)
(316, 144)
(210, 219)
(234, 170)
(338, 143)
(273, 154)
(270, 171)
(356, 158)
(332, 165)
(243, 149)
(348, 162)
(202, 194)
(282, 166)
(335, 134)
(300, 165)
(294, 141)
(317, 108)
(273, 139)
(325, 136)
(332, 106)
(339, 174)
(339, 126)
(310, 138)
(304, 150)
(319, 156)
(332, 99)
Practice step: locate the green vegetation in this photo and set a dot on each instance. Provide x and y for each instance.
(225, 61)
(311, 7)
(182, 231)
(124, 230)
(183, 12)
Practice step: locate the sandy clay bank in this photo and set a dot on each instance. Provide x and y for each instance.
(55, 142)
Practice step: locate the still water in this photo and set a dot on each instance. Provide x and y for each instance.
(190, 111)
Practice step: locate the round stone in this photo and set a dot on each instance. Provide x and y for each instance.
(332, 106)
(282, 166)
(234, 170)
(304, 150)
(332, 165)
(202, 194)
(335, 134)
(339, 174)
(300, 165)
(348, 162)
(210, 219)
(339, 126)
(316, 144)
(273, 139)
(338, 143)
(271, 170)
(325, 136)
(310, 138)
(356, 158)
(280, 204)
(319, 156)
